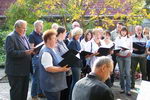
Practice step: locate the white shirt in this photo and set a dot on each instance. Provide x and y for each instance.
(85, 45)
(124, 42)
(47, 60)
(95, 46)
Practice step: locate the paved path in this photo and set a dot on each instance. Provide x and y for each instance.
(4, 90)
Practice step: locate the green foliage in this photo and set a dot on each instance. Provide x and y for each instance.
(3, 35)
(148, 2)
(47, 25)
(20, 10)
(30, 28)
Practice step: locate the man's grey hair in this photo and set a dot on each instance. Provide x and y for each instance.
(54, 26)
(37, 22)
(101, 61)
(137, 27)
(19, 23)
(75, 24)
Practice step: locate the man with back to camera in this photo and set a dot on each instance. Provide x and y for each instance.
(18, 61)
(92, 87)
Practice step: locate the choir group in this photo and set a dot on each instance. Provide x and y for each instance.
(64, 57)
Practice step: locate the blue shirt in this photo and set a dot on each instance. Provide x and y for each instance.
(148, 46)
(35, 38)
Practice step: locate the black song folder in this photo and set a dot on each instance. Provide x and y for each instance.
(70, 51)
(85, 53)
(38, 47)
(104, 51)
(140, 46)
(69, 60)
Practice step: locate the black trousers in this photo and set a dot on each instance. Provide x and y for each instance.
(19, 87)
(113, 74)
(65, 93)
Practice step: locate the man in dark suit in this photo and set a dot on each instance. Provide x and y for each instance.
(18, 61)
(93, 87)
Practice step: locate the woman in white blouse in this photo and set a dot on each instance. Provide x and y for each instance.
(108, 42)
(124, 43)
(87, 39)
(88, 35)
(96, 42)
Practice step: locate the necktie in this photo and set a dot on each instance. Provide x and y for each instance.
(25, 42)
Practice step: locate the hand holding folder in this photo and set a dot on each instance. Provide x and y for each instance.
(123, 48)
(104, 50)
(65, 68)
(69, 60)
(85, 54)
(139, 47)
(37, 48)
(117, 50)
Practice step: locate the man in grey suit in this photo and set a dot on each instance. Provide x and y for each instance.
(18, 61)
(92, 87)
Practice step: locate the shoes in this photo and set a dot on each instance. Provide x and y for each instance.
(122, 91)
(41, 96)
(128, 93)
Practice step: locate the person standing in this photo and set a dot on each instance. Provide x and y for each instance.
(52, 76)
(124, 59)
(92, 87)
(108, 43)
(114, 34)
(138, 55)
(148, 59)
(18, 61)
(116, 31)
(88, 35)
(75, 45)
(146, 32)
(95, 44)
(61, 49)
(35, 38)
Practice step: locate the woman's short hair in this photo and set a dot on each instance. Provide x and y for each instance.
(48, 34)
(97, 30)
(60, 30)
(77, 31)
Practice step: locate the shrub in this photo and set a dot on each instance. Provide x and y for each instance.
(3, 35)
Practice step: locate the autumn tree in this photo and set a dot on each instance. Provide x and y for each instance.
(97, 12)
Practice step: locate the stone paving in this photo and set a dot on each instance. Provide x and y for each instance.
(4, 90)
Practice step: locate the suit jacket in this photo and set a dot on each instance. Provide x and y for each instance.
(18, 63)
(90, 88)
